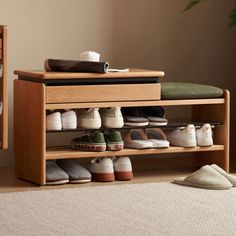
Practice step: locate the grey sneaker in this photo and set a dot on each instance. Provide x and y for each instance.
(77, 173)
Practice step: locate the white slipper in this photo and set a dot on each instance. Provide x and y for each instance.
(157, 137)
(77, 173)
(55, 175)
(231, 178)
(206, 177)
(137, 139)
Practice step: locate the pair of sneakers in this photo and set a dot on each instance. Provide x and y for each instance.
(107, 169)
(190, 136)
(148, 138)
(94, 118)
(99, 142)
(58, 121)
(66, 171)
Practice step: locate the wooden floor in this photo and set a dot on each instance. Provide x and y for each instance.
(9, 183)
(145, 171)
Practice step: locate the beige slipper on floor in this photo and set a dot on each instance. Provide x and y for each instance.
(231, 178)
(206, 177)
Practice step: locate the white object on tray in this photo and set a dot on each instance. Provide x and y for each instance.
(89, 56)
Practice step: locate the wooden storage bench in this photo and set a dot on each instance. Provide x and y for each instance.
(35, 92)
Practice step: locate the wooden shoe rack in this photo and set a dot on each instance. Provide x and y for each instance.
(37, 91)
(3, 89)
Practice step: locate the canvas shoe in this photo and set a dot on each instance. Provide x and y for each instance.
(122, 168)
(54, 174)
(69, 120)
(53, 121)
(94, 142)
(155, 115)
(114, 140)
(89, 118)
(182, 136)
(77, 173)
(112, 117)
(204, 136)
(137, 139)
(133, 116)
(157, 137)
(102, 169)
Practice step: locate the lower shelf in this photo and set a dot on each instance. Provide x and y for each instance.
(53, 153)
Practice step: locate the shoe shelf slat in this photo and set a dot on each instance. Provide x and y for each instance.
(171, 124)
(49, 106)
(53, 153)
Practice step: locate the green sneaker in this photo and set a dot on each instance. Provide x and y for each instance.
(94, 142)
(114, 140)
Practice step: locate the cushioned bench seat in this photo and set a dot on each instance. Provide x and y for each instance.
(179, 90)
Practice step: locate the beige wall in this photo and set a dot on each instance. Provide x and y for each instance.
(195, 47)
(39, 29)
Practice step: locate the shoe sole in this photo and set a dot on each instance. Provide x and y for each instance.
(136, 124)
(139, 146)
(160, 146)
(90, 147)
(80, 181)
(59, 182)
(115, 146)
(123, 175)
(181, 181)
(103, 177)
(158, 123)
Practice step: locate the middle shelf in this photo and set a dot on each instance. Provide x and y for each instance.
(172, 123)
(53, 153)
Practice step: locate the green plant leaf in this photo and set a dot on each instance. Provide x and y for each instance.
(190, 5)
(232, 18)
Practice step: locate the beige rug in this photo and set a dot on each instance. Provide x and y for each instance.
(136, 209)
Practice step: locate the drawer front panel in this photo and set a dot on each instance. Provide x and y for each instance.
(102, 93)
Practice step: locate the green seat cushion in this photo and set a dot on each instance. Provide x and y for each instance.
(179, 90)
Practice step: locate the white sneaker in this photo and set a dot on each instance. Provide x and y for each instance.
(69, 120)
(53, 121)
(89, 118)
(122, 168)
(183, 136)
(112, 117)
(102, 169)
(204, 136)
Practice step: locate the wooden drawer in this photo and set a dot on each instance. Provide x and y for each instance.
(102, 93)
